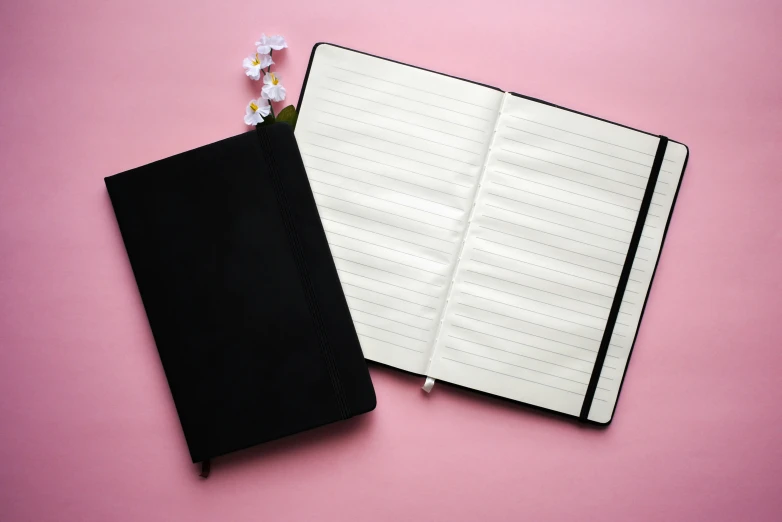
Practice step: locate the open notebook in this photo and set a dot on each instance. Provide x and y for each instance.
(484, 238)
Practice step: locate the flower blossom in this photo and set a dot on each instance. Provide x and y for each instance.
(267, 43)
(272, 89)
(256, 111)
(253, 65)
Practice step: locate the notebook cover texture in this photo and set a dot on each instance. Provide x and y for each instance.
(241, 292)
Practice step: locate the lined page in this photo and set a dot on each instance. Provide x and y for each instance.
(640, 281)
(547, 242)
(393, 154)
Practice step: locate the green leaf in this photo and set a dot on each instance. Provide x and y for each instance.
(288, 115)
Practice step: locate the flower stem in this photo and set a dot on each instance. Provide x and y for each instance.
(271, 106)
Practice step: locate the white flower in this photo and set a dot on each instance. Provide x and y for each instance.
(256, 111)
(267, 43)
(272, 89)
(253, 65)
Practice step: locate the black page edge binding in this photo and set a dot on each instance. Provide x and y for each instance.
(608, 332)
(656, 264)
(301, 265)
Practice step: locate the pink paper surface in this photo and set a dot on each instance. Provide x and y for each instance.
(88, 430)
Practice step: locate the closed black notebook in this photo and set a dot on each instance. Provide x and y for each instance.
(241, 292)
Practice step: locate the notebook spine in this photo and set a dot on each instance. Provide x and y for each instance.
(301, 266)
(430, 381)
(623, 279)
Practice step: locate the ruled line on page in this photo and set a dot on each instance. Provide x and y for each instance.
(450, 158)
(385, 235)
(537, 277)
(530, 322)
(536, 300)
(396, 167)
(388, 342)
(381, 151)
(384, 188)
(576, 157)
(516, 365)
(550, 245)
(342, 116)
(556, 212)
(578, 146)
(524, 367)
(544, 267)
(549, 257)
(515, 318)
(389, 331)
(360, 109)
(567, 167)
(414, 100)
(387, 224)
(394, 261)
(383, 246)
(526, 167)
(427, 319)
(509, 375)
(552, 234)
(343, 271)
(521, 355)
(525, 333)
(386, 200)
(585, 136)
(402, 109)
(531, 311)
(387, 295)
(388, 319)
(610, 298)
(591, 362)
(563, 201)
(387, 271)
(380, 210)
(570, 191)
(416, 88)
(399, 180)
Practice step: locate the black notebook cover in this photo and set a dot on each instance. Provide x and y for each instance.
(241, 292)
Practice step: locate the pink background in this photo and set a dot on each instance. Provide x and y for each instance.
(88, 429)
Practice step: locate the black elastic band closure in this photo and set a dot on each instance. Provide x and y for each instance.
(301, 265)
(626, 269)
(206, 466)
